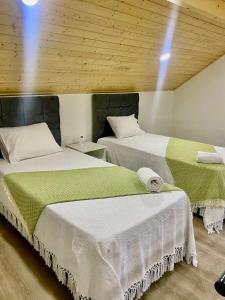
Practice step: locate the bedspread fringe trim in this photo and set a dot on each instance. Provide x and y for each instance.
(214, 226)
(208, 203)
(65, 277)
(167, 263)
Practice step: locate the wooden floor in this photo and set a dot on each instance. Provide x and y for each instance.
(23, 275)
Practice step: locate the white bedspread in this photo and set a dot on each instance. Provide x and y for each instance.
(146, 150)
(149, 150)
(110, 245)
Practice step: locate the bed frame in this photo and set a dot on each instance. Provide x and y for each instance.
(104, 105)
(27, 110)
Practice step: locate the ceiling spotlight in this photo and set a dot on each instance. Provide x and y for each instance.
(30, 2)
(165, 57)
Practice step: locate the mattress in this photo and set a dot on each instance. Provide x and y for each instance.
(110, 248)
(149, 150)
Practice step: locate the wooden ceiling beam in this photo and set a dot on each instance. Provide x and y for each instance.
(214, 9)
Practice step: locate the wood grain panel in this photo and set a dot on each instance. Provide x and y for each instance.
(103, 45)
(24, 276)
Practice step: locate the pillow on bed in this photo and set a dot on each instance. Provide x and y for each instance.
(19, 143)
(125, 126)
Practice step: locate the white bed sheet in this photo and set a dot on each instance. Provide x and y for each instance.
(149, 150)
(146, 150)
(109, 245)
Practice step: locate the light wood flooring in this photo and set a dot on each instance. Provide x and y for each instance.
(24, 276)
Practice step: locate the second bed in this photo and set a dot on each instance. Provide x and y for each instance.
(173, 159)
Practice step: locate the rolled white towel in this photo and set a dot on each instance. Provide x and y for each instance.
(209, 157)
(150, 179)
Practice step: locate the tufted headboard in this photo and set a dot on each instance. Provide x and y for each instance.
(104, 105)
(27, 110)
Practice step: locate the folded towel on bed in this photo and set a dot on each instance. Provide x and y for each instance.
(150, 179)
(209, 157)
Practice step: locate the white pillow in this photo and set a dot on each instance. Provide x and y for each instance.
(125, 126)
(19, 143)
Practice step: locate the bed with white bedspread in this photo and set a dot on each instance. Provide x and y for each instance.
(112, 248)
(175, 160)
(150, 150)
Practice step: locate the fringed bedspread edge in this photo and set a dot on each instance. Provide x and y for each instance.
(135, 292)
(207, 203)
(211, 226)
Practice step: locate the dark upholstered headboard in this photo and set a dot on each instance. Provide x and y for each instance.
(104, 105)
(27, 110)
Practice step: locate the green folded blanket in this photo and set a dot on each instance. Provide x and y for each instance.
(33, 191)
(204, 183)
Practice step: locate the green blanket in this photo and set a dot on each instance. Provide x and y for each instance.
(204, 183)
(33, 191)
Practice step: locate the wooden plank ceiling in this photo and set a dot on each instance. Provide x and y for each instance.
(101, 45)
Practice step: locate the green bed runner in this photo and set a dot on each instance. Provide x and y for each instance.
(33, 191)
(202, 182)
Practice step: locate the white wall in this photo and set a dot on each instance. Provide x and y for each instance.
(76, 117)
(156, 111)
(76, 114)
(199, 106)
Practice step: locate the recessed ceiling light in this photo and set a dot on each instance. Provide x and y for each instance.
(30, 2)
(165, 56)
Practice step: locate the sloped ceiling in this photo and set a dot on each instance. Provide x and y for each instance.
(66, 46)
